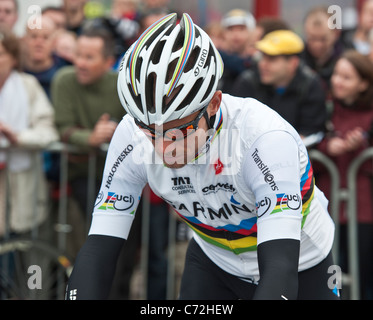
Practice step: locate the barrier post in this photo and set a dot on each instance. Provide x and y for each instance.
(335, 195)
(353, 244)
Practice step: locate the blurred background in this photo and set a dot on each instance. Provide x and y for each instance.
(206, 11)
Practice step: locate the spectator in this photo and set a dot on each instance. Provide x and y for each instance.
(285, 84)
(148, 17)
(322, 44)
(65, 45)
(239, 30)
(75, 16)
(125, 9)
(216, 33)
(8, 14)
(359, 37)
(350, 134)
(26, 120)
(39, 59)
(266, 25)
(87, 109)
(155, 4)
(123, 32)
(57, 15)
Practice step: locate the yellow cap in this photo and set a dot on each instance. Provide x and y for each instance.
(280, 42)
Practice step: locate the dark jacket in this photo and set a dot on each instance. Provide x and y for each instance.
(345, 118)
(302, 103)
(325, 71)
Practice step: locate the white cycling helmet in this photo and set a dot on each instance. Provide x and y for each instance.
(170, 72)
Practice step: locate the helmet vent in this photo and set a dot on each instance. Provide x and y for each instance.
(208, 91)
(170, 70)
(179, 41)
(136, 98)
(167, 101)
(192, 59)
(210, 55)
(191, 95)
(156, 54)
(150, 92)
(138, 68)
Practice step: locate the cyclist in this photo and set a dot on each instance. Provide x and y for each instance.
(233, 169)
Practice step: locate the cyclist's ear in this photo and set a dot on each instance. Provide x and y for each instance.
(214, 104)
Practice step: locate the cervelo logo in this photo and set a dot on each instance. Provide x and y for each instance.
(219, 186)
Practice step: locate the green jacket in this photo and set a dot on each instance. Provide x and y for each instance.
(77, 110)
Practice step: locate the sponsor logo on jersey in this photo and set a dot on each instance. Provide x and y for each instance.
(214, 188)
(287, 202)
(127, 150)
(182, 185)
(268, 176)
(263, 206)
(118, 202)
(225, 211)
(218, 167)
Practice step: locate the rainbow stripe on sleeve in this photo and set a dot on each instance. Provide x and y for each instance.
(307, 187)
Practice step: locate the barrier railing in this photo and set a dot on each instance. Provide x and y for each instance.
(337, 195)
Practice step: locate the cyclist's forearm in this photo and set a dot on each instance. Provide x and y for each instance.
(278, 266)
(94, 268)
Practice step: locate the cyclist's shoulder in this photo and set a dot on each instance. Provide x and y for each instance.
(250, 120)
(249, 114)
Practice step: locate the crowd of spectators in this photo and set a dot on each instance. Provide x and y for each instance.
(58, 83)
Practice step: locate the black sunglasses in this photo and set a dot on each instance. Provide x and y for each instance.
(177, 133)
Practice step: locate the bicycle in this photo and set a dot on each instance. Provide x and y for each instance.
(45, 280)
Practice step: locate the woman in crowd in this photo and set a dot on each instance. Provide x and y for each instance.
(26, 121)
(351, 133)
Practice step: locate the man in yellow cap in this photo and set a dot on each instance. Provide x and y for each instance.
(283, 82)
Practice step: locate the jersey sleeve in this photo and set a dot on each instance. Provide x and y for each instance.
(123, 179)
(271, 171)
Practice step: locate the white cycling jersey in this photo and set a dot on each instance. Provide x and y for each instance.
(252, 182)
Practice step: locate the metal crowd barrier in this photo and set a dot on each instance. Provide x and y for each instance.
(348, 195)
(336, 196)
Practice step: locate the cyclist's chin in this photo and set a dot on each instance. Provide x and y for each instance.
(174, 163)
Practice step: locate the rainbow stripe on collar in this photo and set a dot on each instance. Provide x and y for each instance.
(218, 127)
